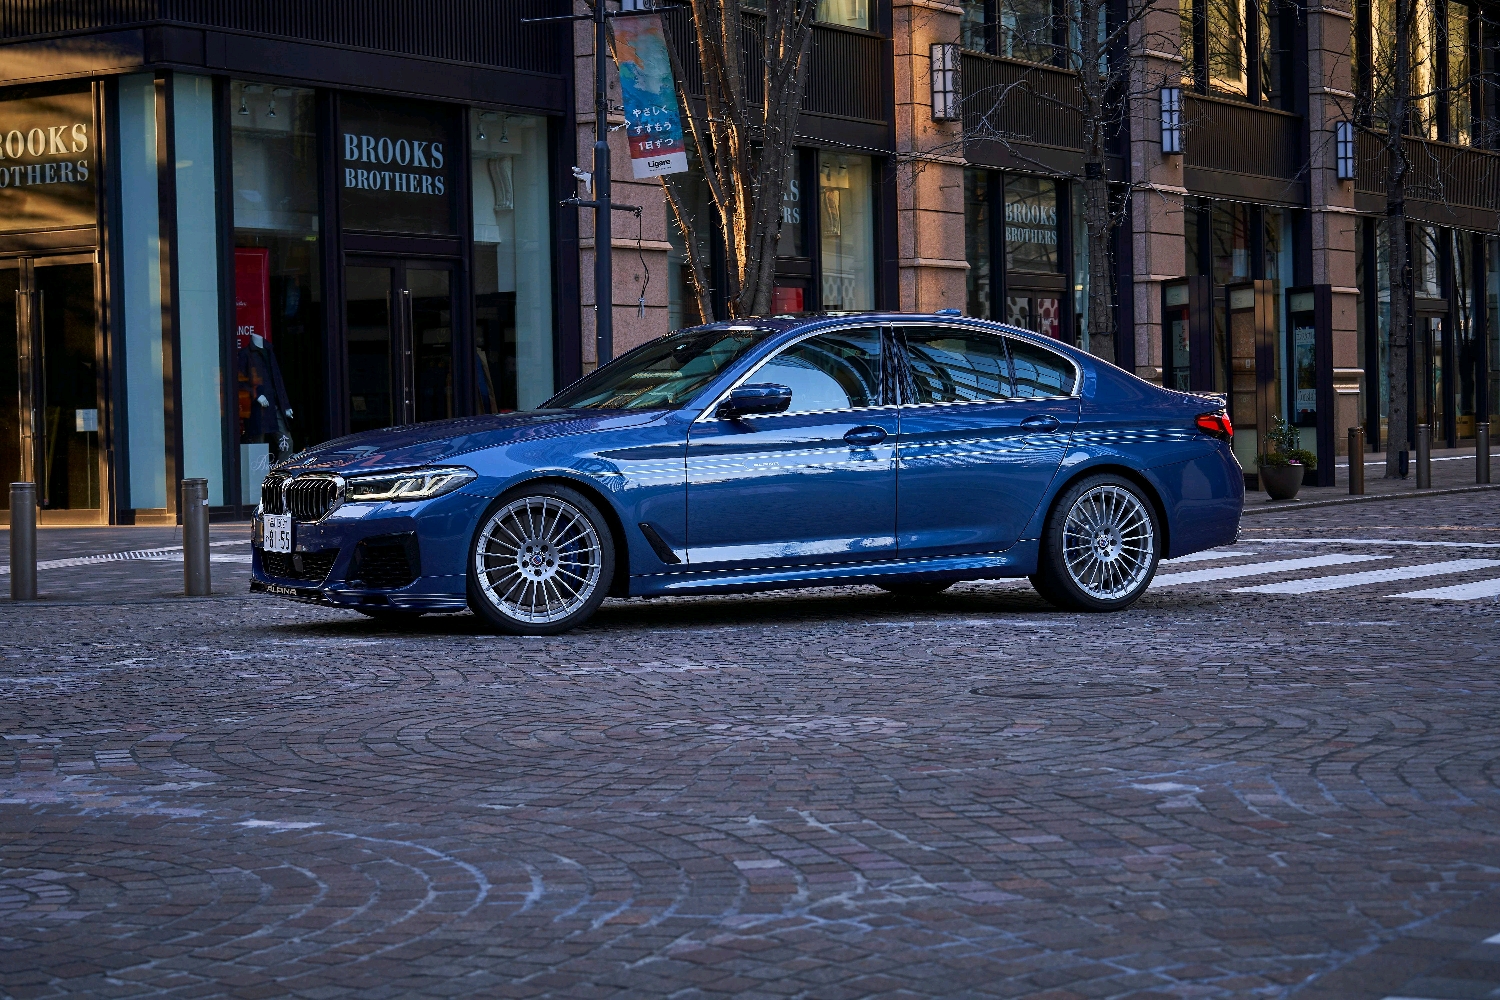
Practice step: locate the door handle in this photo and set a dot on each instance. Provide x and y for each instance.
(865, 435)
(1041, 422)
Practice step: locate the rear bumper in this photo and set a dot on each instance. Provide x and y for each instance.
(328, 563)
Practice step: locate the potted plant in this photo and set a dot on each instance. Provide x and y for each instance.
(1285, 462)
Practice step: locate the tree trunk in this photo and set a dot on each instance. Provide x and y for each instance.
(1399, 262)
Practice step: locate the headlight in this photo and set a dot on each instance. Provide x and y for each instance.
(419, 484)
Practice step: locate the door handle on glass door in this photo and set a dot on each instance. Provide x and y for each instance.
(865, 435)
(1041, 422)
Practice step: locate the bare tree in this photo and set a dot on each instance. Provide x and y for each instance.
(1393, 101)
(743, 139)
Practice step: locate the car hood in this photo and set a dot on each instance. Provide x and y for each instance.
(423, 444)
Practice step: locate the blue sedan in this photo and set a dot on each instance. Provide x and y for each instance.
(904, 451)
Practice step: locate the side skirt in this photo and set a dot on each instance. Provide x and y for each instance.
(1018, 560)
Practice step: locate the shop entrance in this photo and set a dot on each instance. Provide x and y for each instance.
(1431, 400)
(398, 339)
(49, 385)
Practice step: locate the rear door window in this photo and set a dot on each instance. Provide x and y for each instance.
(1039, 372)
(956, 366)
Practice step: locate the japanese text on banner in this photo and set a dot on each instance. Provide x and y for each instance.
(651, 114)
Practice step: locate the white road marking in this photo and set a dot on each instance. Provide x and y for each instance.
(1389, 575)
(1460, 592)
(1260, 569)
(1491, 940)
(1208, 556)
(1376, 542)
(145, 555)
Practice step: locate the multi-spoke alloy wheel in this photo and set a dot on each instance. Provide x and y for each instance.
(1100, 549)
(541, 561)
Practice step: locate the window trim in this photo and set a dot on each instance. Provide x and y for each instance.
(1004, 333)
(881, 328)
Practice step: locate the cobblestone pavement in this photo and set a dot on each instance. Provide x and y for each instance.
(1272, 778)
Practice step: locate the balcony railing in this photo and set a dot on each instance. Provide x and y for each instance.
(1009, 101)
(843, 78)
(486, 32)
(1241, 138)
(1460, 176)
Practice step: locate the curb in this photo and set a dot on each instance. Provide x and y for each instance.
(1376, 498)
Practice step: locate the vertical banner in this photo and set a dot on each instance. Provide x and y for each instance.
(657, 144)
(252, 294)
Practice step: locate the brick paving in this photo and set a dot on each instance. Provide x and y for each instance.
(810, 794)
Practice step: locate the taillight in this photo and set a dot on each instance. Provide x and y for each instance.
(1216, 424)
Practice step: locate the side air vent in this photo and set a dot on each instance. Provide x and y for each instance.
(386, 561)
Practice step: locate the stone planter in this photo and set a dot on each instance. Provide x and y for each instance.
(1281, 482)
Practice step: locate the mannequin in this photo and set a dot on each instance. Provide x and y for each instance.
(265, 409)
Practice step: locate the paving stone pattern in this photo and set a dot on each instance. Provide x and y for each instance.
(831, 794)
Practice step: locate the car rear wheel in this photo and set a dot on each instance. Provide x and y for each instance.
(1100, 547)
(541, 561)
(916, 590)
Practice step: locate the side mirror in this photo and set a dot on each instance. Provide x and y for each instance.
(763, 397)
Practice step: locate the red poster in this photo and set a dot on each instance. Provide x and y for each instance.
(252, 293)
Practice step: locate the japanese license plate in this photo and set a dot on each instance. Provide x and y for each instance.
(278, 532)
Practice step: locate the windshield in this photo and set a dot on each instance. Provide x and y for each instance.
(663, 374)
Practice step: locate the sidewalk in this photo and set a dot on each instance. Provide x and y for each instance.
(126, 564)
(1452, 468)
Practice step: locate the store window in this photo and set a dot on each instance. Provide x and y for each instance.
(512, 261)
(1026, 30)
(849, 13)
(279, 336)
(1030, 223)
(1492, 325)
(1470, 348)
(847, 220)
(1460, 77)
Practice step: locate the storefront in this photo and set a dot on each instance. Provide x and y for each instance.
(1451, 379)
(829, 256)
(201, 274)
(1036, 284)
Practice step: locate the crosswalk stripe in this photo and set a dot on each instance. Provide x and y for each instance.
(1388, 575)
(1460, 592)
(1208, 556)
(1260, 569)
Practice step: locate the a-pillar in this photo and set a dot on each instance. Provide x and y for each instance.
(1333, 230)
(930, 175)
(640, 252)
(1158, 246)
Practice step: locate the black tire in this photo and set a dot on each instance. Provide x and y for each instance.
(526, 561)
(916, 590)
(390, 616)
(1119, 523)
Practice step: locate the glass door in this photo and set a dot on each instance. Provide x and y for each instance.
(49, 376)
(398, 342)
(1429, 374)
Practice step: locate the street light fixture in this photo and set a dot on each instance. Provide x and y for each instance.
(1343, 149)
(945, 84)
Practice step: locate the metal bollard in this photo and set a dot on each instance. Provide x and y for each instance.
(23, 541)
(1482, 453)
(1424, 457)
(195, 579)
(1356, 461)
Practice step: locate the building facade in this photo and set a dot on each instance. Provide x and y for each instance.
(228, 232)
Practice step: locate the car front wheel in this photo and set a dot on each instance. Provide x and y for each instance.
(1100, 547)
(541, 561)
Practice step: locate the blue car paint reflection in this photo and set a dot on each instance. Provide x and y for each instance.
(890, 489)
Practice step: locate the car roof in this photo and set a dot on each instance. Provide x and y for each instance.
(806, 322)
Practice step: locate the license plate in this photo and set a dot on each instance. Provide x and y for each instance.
(278, 533)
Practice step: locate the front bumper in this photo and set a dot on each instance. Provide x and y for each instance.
(329, 565)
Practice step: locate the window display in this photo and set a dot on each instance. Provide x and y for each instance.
(282, 373)
(512, 262)
(848, 231)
